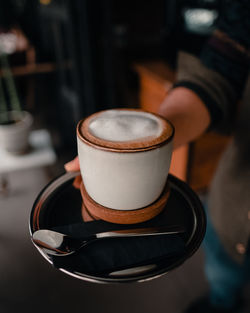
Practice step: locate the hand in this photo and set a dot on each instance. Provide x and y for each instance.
(187, 113)
(72, 166)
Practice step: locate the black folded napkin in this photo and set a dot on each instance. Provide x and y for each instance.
(113, 254)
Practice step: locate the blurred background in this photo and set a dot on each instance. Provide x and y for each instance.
(73, 58)
(62, 60)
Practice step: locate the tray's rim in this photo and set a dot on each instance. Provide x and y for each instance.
(177, 183)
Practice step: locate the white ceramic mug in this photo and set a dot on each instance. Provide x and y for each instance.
(124, 174)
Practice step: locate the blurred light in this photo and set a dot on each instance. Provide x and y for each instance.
(8, 43)
(45, 2)
(200, 20)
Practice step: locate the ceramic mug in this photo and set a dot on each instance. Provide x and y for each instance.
(124, 157)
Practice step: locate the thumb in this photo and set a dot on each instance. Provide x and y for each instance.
(72, 166)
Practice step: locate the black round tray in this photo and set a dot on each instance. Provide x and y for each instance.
(58, 207)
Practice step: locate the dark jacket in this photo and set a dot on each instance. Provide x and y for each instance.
(219, 76)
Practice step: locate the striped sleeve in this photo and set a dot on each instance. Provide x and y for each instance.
(219, 75)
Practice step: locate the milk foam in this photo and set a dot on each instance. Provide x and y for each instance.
(125, 125)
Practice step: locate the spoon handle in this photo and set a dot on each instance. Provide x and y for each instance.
(140, 232)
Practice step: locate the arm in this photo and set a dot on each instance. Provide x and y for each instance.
(186, 111)
(208, 88)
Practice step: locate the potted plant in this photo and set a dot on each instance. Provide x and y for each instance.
(15, 123)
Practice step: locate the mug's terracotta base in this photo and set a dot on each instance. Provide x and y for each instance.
(92, 209)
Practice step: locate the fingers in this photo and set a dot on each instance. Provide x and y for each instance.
(72, 166)
(77, 182)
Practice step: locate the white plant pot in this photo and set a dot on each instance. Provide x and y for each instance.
(14, 137)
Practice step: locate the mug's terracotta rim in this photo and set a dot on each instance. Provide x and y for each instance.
(122, 147)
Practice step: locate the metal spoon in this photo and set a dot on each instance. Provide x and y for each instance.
(59, 244)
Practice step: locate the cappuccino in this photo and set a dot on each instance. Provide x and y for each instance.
(124, 157)
(125, 129)
(117, 125)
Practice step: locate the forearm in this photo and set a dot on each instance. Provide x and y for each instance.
(185, 110)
